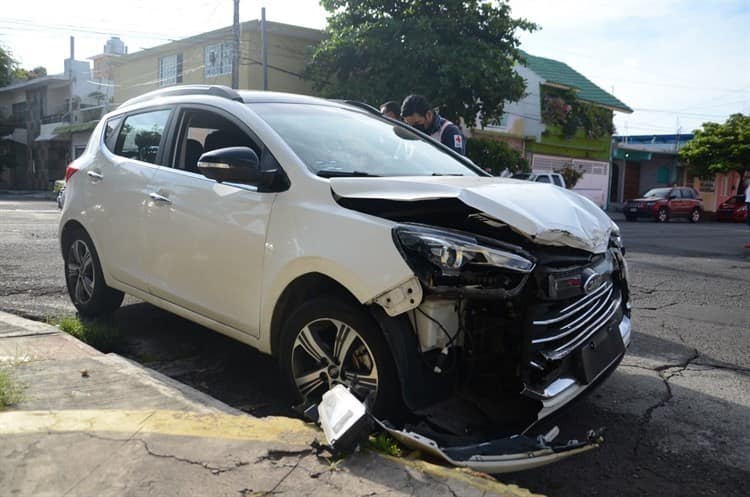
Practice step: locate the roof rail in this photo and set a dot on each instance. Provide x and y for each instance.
(362, 105)
(173, 91)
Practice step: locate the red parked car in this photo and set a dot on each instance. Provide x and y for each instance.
(733, 209)
(666, 203)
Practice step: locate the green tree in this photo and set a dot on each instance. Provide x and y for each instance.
(495, 156)
(719, 148)
(7, 65)
(26, 74)
(458, 53)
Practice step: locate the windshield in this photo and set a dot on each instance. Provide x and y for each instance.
(657, 193)
(332, 141)
(521, 176)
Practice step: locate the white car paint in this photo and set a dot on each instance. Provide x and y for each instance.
(542, 212)
(222, 254)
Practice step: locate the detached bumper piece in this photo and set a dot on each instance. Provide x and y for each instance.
(505, 455)
(346, 424)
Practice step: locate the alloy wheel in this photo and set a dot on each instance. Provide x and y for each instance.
(662, 216)
(81, 273)
(695, 216)
(327, 352)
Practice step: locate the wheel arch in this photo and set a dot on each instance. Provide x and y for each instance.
(298, 291)
(71, 226)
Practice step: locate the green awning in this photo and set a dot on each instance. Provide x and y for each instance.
(635, 155)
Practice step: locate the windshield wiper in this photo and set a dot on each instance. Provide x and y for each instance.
(327, 173)
(448, 174)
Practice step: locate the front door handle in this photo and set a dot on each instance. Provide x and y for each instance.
(161, 199)
(95, 176)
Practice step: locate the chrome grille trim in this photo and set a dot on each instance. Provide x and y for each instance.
(578, 322)
(569, 346)
(576, 306)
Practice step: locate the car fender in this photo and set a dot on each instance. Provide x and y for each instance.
(319, 236)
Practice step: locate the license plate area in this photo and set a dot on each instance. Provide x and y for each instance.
(598, 352)
(633, 209)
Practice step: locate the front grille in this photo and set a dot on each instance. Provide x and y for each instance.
(560, 331)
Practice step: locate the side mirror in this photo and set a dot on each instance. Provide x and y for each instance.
(235, 165)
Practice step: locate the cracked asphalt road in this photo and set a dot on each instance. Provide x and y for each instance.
(677, 411)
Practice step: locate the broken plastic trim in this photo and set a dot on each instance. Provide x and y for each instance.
(346, 423)
(505, 455)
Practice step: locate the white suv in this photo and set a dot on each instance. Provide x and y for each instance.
(358, 252)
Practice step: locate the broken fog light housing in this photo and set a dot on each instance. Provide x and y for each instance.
(453, 252)
(343, 418)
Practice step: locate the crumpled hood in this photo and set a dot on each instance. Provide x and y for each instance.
(543, 213)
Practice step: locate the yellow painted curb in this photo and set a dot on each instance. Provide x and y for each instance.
(179, 423)
(218, 426)
(475, 479)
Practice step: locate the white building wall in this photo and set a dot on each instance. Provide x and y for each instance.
(524, 118)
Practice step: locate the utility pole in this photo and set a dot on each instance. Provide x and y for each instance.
(264, 46)
(236, 46)
(71, 77)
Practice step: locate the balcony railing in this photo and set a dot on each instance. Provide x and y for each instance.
(54, 118)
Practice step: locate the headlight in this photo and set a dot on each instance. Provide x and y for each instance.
(453, 255)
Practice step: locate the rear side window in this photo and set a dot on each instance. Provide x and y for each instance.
(110, 136)
(141, 136)
(687, 193)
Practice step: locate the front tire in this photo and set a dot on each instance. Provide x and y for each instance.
(663, 215)
(695, 215)
(331, 340)
(84, 279)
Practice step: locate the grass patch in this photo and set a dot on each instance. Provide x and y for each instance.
(104, 336)
(10, 393)
(384, 443)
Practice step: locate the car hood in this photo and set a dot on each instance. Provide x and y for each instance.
(544, 213)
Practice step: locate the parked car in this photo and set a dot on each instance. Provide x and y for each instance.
(734, 209)
(554, 178)
(665, 203)
(357, 251)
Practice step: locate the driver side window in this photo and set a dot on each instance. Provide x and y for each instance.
(202, 131)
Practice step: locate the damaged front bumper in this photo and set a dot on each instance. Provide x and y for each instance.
(563, 390)
(505, 455)
(345, 423)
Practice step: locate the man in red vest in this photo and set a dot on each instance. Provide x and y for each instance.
(416, 112)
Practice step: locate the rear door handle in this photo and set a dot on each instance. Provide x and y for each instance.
(95, 176)
(159, 198)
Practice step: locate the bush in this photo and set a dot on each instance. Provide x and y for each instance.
(571, 175)
(495, 156)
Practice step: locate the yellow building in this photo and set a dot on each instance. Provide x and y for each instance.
(207, 59)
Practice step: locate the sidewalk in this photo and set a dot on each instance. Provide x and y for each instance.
(93, 424)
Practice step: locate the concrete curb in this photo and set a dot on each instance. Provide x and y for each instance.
(46, 350)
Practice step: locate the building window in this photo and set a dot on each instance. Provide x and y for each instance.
(170, 70)
(499, 123)
(218, 59)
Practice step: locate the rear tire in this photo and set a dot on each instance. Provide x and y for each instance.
(663, 215)
(84, 279)
(695, 215)
(331, 340)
